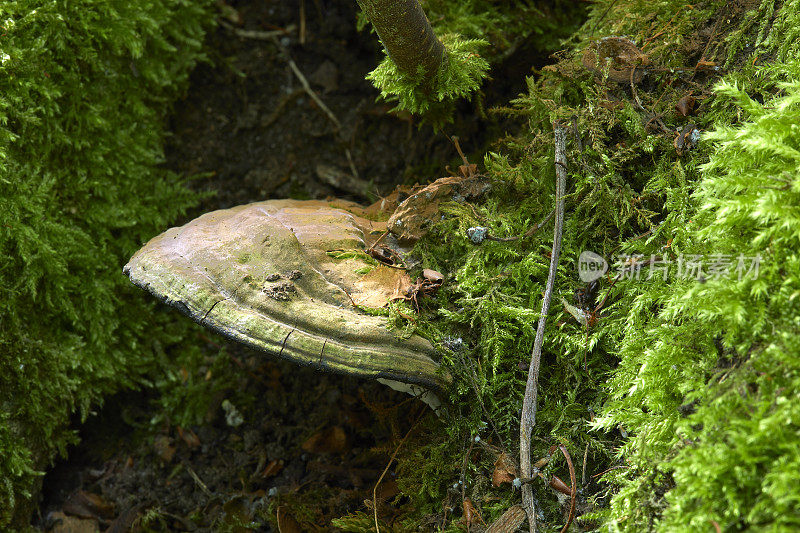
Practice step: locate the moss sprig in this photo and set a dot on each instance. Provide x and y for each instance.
(462, 72)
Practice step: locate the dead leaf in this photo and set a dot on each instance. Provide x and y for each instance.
(557, 484)
(386, 205)
(189, 437)
(433, 276)
(164, 448)
(272, 468)
(616, 56)
(88, 505)
(237, 510)
(328, 440)
(705, 65)
(685, 105)
(127, 518)
(380, 286)
(505, 470)
(387, 490)
(286, 522)
(412, 218)
(471, 514)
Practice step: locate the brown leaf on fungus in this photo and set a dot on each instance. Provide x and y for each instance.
(505, 470)
(381, 285)
(616, 56)
(412, 218)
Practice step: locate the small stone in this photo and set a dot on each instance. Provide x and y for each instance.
(295, 274)
(232, 415)
(274, 277)
(477, 234)
(326, 76)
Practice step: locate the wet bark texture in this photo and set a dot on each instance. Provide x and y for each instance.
(407, 35)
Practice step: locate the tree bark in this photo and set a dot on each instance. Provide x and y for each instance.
(406, 34)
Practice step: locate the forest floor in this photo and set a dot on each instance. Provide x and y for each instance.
(248, 131)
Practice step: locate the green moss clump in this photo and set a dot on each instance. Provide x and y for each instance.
(708, 383)
(83, 91)
(462, 72)
(681, 392)
(466, 28)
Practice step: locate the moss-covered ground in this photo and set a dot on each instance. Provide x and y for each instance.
(671, 381)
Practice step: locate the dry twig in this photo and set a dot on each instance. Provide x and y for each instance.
(573, 488)
(528, 419)
(306, 85)
(198, 481)
(391, 460)
(256, 34)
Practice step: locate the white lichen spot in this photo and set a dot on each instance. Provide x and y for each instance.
(232, 415)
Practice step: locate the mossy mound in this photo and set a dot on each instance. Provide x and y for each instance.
(83, 92)
(678, 394)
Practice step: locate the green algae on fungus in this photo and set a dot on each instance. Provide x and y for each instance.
(291, 298)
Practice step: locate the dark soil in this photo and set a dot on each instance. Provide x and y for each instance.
(248, 122)
(248, 131)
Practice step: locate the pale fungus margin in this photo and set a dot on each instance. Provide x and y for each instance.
(291, 278)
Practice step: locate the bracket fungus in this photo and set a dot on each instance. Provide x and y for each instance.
(291, 278)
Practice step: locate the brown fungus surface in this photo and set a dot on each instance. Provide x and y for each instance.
(287, 277)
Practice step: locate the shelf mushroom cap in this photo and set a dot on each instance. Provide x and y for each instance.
(282, 277)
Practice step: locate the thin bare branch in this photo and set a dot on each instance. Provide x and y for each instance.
(528, 419)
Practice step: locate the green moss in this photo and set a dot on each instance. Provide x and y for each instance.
(83, 89)
(466, 28)
(691, 380)
(462, 72)
(727, 347)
